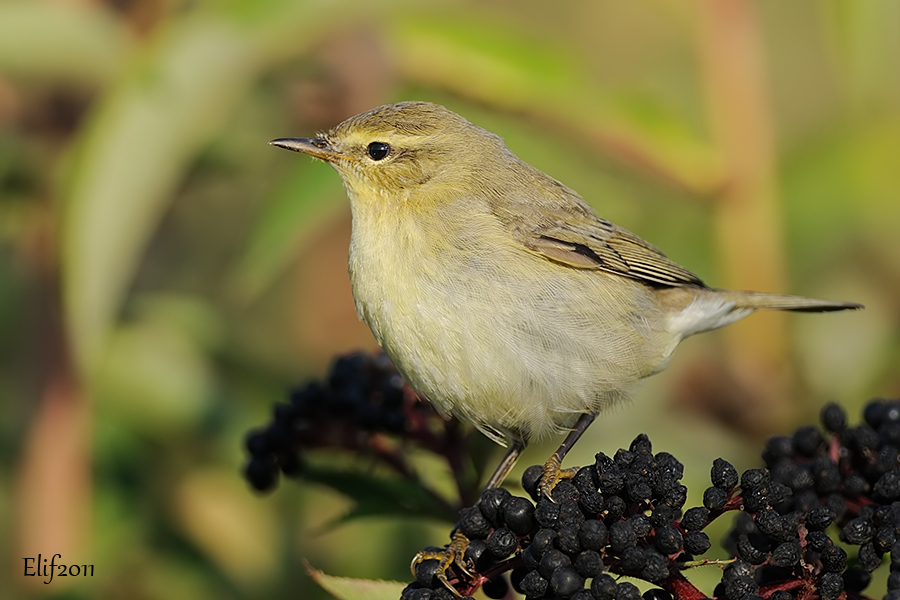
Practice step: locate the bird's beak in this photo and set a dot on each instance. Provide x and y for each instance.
(318, 147)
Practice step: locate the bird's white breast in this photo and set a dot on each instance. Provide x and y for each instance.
(511, 342)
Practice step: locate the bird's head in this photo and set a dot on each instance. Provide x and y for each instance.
(401, 150)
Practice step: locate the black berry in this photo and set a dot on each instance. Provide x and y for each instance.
(668, 539)
(518, 514)
(724, 475)
(834, 419)
(593, 534)
(502, 542)
(603, 587)
(565, 581)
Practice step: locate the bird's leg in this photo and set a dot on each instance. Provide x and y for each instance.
(552, 473)
(506, 465)
(455, 552)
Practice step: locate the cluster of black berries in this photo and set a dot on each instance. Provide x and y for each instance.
(819, 489)
(622, 516)
(363, 395)
(618, 516)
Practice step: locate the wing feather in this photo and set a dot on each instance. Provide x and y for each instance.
(562, 227)
(613, 250)
(572, 234)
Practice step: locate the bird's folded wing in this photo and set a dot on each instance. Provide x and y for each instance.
(598, 244)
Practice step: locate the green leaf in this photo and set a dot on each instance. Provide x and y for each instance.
(380, 495)
(495, 63)
(345, 588)
(154, 378)
(489, 60)
(863, 37)
(137, 148)
(78, 42)
(144, 135)
(309, 196)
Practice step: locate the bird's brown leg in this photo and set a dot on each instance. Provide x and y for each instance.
(455, 552)
(552, 472)
(506, 465)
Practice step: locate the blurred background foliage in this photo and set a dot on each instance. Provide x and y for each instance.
(165, 276)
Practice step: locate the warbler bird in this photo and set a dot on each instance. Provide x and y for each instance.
(501, 296)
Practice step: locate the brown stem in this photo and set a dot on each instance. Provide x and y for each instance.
(834, 449)
(503, 567)
(391, 455)
(747, 215)
(682, 589)
(54, 486)
(767, 590)
(453, 448)
(379, 444)
(734, 503)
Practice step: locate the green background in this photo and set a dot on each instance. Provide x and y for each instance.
(165, 276)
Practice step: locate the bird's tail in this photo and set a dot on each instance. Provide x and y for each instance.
(707, 309)
(764, 301)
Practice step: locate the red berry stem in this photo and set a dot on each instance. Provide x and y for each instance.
(682, 589)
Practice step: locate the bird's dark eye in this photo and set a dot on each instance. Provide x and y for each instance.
(378, 150)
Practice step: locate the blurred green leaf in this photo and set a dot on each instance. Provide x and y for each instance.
(496, 63)
(309, 196)
(167, 107)
(864, 36)
(157, 376)
(237, 531)
(142, 138)
(485, 58)
(78, 42)
(154, 378)
(345, 588)
(846, 177)
(375, 495)
(195, 318)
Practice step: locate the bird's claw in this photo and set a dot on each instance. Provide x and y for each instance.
(552, 475)
(453, 553)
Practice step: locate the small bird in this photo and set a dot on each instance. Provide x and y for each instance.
(501, 296)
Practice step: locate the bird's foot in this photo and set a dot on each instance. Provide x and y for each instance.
(552, 475)
(453, 553)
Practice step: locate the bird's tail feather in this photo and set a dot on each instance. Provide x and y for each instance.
(710, 309)
(764, 301)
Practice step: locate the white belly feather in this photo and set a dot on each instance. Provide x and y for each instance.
(519, 359)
